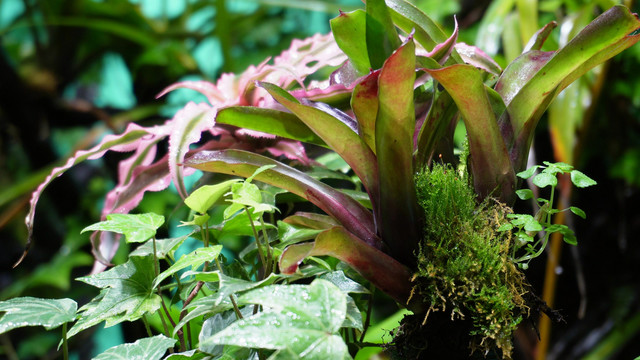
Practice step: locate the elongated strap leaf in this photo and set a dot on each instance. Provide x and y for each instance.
(395, 124)
(353, 216)
(426, 31)
(382, 37)
(439, 117)
(336, 134)
(364, 103)
(386, 273)
(606, 36)
(489, 160)
(270, 121)
(350, 33)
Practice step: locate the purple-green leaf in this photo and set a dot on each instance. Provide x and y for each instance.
(489, 160)
(364, 103)
(337, 134)
(606, 36)
(386, 273)
(426, 31)
(350, 213)
(395, 125)
(440, 115)
(188, 125)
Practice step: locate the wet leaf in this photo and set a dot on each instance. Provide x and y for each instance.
(152, 348)
(581, 180)
(302, 319)
(126, 296)
(30, 311)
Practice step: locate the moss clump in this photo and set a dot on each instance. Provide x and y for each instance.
(463, 263)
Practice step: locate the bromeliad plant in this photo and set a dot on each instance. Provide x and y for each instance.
(387, 111)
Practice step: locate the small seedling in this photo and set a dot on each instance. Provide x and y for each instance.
(525, 226)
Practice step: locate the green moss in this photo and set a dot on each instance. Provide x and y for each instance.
(463, 262)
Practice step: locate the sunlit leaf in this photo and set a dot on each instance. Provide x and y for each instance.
(164, 247)
(30, 311)
(193, 260)
(578, 211)
(135, 227)
(204, 197)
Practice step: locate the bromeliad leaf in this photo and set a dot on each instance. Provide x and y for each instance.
(382, 270)
(336, 134)
(30, 311)
(269, 121)
(394, 128)
(307, 328)
(355, 217)
(193, 259)
(350, 33)
(126, 296)
(151, 348)
(135, 227)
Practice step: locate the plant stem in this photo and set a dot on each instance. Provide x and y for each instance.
(146, 325)
(258, 244)
(65, 345)
(367, 321)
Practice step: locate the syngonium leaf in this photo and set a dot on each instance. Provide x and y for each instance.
(193, 260)
(307, 329)
(30, 311)
(386, 273)
(163, 247)
(204, 197)
(606, 36)
(127, 294)
(341, 207)
(151, 348)
(394, 128)
(135, 227)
